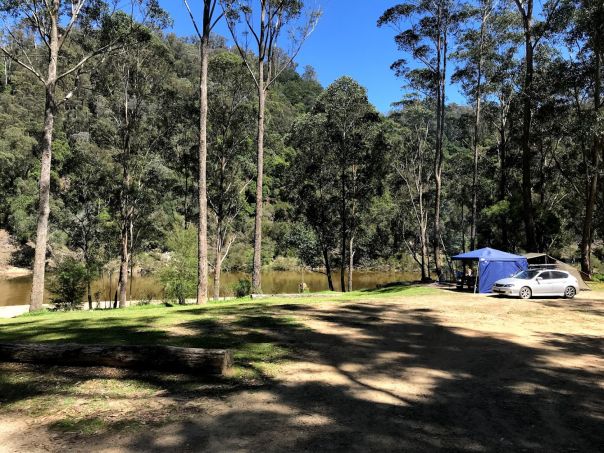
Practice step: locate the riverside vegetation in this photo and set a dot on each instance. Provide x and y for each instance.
(222, 158)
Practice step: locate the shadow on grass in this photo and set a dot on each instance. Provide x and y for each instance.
(400, 381)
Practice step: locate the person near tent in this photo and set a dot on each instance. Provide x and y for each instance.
(491, 265)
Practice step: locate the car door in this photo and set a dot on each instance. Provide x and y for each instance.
(543, 284)
(559, 281)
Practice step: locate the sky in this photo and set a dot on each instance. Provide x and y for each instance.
(346, 41)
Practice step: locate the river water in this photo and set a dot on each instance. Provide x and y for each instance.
(15, 291)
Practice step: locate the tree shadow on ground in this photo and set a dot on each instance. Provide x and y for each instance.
(587, 306)
(378, 377)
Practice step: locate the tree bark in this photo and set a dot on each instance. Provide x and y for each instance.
(350, 261)
(439, 157)
(257, 268)
(327, 268)
(217, 260)
(124, 256)
(169, 358)
(476, 140)
(593, 180)
(39, 269)
(344, 227)
(527, 101)
(202, 274)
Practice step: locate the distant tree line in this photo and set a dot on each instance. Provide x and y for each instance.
(140, 124)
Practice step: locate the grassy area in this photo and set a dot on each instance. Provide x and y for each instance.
(247, 327)
(86, 400)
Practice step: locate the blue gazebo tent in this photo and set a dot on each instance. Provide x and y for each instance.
(493, 265)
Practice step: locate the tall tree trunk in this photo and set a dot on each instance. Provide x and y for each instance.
(503, 182)
(124, 256)
(527, 101)
(202, 240)
(350, 261)
(476, 140)
(424, 255)
(439, 158)
(217, 259)
(344, 226)
(327, 268)
(257, 269)
(592, 181)
(39, 269)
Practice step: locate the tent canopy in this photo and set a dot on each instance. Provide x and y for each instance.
(488, 253)
(493, 265)
(542, 258)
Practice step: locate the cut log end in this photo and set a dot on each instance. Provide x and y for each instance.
(153, 357)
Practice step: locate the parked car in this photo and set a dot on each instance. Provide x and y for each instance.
(538, 282)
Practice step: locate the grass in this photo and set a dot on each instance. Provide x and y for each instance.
(90, 401)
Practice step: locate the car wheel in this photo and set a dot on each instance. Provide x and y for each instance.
(525, 292)
(570, 292)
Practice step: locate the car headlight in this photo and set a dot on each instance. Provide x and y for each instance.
(508, 286)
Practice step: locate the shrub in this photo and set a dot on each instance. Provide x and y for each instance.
(68, 284)
(242, 288)
(179, 276)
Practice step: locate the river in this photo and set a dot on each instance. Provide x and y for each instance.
(15, 291)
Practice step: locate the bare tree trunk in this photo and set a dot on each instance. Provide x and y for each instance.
(477, 135)
(124, 267)
(327, 268)
(350, 261)
(131, 230)
(37, 290)
(257, 269)
(592, 182)
(202, 285)
(343, 234)
(527, 101)
(424, 254)
(439, 158)
(217, 260)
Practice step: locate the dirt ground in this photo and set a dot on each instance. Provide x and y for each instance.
(448, 373)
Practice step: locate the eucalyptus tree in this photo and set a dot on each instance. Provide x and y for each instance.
(313, 172)
(349, 121)
(231, 114)
(130, 121)
(585, 38)
(266, 21)
(209, 19)
(85, 198)
(410, 140)
(55, 25)
(424, 31)
(534, 31)
(475, 45)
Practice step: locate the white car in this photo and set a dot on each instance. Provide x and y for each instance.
(538, 282)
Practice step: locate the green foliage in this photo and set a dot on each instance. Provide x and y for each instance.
(179, 275)
(68, 284)
(242, 288)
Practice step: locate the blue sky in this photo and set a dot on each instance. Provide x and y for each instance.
(345, 42)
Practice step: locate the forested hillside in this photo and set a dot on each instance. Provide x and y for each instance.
(517, 168)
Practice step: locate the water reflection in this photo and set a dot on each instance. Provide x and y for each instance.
(15, 291)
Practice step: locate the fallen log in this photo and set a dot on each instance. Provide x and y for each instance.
(153, 357)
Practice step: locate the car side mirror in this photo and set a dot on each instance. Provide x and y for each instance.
(539, 279)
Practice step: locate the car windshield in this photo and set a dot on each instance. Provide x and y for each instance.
(526, 275)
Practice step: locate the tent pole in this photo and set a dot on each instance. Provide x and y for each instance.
(476, 277)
